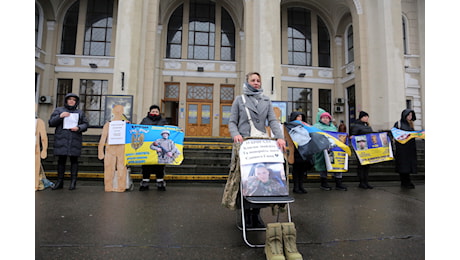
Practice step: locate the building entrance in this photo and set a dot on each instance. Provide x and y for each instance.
(199, 119)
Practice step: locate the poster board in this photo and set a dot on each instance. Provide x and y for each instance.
(262, 168)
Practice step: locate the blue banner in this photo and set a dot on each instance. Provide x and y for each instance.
(372, 148)
(336, 158)
(150, 144)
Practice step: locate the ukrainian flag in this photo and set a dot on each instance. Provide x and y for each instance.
(334, 141)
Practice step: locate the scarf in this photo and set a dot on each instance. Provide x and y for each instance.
(250, 90)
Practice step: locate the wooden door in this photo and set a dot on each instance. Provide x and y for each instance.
(224, 117)
(199, 119)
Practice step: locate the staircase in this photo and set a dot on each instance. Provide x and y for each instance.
(208, 159)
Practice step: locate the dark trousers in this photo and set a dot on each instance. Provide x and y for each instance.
(158, 170)
(61, 165)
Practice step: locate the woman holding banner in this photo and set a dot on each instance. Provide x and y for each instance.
(361, 127)
(249, 113)
(406, 154)
(153, 118)
(324, 122)
(300, 165)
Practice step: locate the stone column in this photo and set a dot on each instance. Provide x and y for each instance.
(262, 43)
(381, 63)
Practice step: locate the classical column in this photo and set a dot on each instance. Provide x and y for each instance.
(262, 43)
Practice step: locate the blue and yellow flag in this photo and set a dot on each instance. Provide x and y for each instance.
(334, 141)
(150, 144)
(403, 136)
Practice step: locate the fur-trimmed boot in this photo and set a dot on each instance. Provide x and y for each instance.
(274, 242)
(289, 241)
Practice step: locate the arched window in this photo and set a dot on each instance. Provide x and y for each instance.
(202, 30)
(174, 46)
(69, 30)
(404, 31)
(349, 55)
(299, 37)
(227, 49)
(306, 45)
(98, 29)
(324, 45)
(201, 34)
(38, 26)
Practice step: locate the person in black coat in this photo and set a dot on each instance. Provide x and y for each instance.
(361, 127)
(153, 118)
(406, 154)
(300, 165)
(70, 123)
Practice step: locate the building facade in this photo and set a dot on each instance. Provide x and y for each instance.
(190, 57)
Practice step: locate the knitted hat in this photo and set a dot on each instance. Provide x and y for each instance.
(362, 114)
(326, 114)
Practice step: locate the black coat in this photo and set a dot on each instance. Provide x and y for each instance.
(67, 142)
(360, 128)
(406, 154)
(149, 120)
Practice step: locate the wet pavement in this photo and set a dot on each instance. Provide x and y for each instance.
(188, 222)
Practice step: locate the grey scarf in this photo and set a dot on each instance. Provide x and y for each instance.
(250, 90)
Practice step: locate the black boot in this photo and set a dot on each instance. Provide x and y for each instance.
(406, 181)
(256, 219)
(324, 184)
(73, 176)
(248, 218)
(339, 185)
(295, 178)
(362, 182)
(366, 179)
(60, 182)
(301, 188)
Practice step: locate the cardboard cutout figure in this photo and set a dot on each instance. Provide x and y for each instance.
(114, 157)
(41, 147)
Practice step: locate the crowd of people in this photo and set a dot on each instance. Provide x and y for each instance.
(250, 113)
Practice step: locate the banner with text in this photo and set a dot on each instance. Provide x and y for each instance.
(372, 148)
(150, 144)
(336, 158)
(262, 168)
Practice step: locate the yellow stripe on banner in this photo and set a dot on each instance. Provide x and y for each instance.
(338, 143)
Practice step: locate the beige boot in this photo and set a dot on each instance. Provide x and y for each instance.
(289, 241)
(274, 242)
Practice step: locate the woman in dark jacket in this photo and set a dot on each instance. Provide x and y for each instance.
(300, 166)
(361, 127)
(153, 118)
(406, 154)
(70, 123)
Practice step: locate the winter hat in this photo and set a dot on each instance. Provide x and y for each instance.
(362, 114)
(326, 114)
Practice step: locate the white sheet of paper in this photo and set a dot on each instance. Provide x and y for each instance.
(71, 121)
(117, 132)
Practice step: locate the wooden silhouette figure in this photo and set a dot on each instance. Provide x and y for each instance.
(114, 157)
(41, 147)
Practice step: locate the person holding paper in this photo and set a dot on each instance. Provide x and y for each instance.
(70, 123)
(406, 154)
